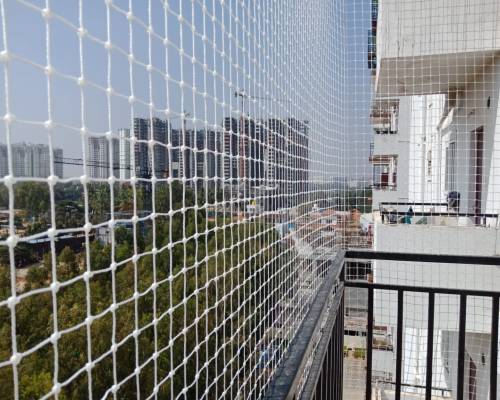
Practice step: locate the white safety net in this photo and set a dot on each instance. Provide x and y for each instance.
(177, 176)
(172, 190)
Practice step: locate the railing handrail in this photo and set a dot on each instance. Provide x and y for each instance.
(285, 383)
(423, 257)
(408, 203)
(438, 213)
(463, 294)
(299, 377)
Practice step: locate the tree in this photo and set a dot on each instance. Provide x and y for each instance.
(37, 277)
(221, 279)
(99, 201)
(33, 197)
(67, 265)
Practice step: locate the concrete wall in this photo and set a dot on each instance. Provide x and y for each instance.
(477, 346)
(388, 144)
(471, 113)
(413, 29)
(444, 240)
(425, 145)
(440, 240)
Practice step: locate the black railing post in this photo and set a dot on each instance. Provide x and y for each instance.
(331, 357)
(399, 344)
(431, 291)
(369, 345)
(339, 334)
(494, 349)
(430, 347)
(461, 347)
(339, 354)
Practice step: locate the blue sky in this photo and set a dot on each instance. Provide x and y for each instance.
(293, 55)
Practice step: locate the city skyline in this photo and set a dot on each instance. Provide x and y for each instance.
(31, 160)
(248, 153)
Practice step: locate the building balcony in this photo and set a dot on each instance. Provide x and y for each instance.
(413, 39)
(372, 359)
(217, 202)
(384, 186)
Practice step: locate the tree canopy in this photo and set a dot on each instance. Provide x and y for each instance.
(199, 287)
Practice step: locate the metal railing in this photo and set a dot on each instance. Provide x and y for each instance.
(315, 370)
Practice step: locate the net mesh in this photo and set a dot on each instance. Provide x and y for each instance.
(177, 176)
(160, 164)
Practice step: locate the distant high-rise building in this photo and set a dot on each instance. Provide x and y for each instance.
(141, 133)
(206, 161)
(158, 158)
(285, 159)
(372, 38)
(175, 140)
(244, 151)
(297, 161)
(275, 151)
(58, 162)
(4, 161)
(230, 163)
(187, 157)
(31, 160)
(274, 162)
(146, 161)
(267, 155)
(122, 154)
(98, 157)
(255, 152)
(183, 163)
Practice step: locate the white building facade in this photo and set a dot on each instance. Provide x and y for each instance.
(441, 66)
(31, 160)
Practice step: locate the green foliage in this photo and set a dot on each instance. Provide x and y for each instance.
(222, 282)
(69, 214)
(360, 199)
(37, 277)
(33, 197)
(359, 353)
(23, 254)
(99, 201)
(68, 265)
(68, 192)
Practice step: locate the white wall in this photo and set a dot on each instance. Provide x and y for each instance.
(398, 144)
(476, 345)
(439, 240)
(443, 240)
(413, 29)
(424, 115)
(471, 113)
(420, 118)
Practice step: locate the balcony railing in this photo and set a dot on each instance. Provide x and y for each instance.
(384, 186)
(318, 369)
(431, 213)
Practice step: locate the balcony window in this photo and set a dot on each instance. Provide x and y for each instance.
(384, 172)
(385, 116)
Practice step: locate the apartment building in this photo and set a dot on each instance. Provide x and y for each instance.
(436, 145)
(98, 162)
(123, 151)
(31, 160)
